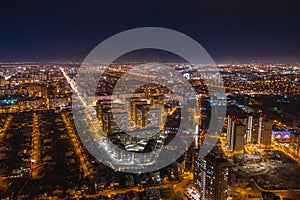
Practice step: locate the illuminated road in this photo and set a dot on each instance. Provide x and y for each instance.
(286, 152)
(36, 145)
(74, 88)
(76, 143)
(177, 186)
(295, 193)
(5, 126)
(3, 180)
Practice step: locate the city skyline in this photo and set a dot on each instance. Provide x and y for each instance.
(257, 148)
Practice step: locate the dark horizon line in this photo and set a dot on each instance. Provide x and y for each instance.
(156, 55)
(227, 61)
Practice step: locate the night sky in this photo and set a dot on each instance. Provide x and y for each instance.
(230, 30)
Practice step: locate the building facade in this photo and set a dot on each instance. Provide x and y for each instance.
(211, 177)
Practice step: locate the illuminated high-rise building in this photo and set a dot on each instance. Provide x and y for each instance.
(211, 177)
(134, 107)
(294, 145)
(258, 130)
(229, 130)
(264, 131)
(2, 81)
(235, 134)
(251, 123)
